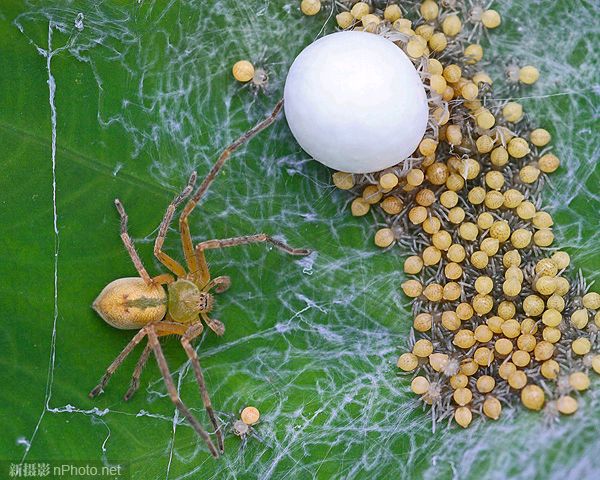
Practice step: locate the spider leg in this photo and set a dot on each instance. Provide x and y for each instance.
(117, 362)
(163, 328)
(163, 279)
(139, 266)
(165, 259)
(196, 262)
(192, 332)
(255, 434)
(139, 367)
(247, 239)
(221, 283)
(164, 369)
(215, 325)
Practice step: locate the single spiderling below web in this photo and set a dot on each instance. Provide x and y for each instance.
(141, 303)
(245, 72)
(260, 79)
(244, 424)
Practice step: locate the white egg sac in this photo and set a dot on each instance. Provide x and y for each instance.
(354, 102)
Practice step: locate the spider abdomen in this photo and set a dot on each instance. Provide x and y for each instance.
(129, 303)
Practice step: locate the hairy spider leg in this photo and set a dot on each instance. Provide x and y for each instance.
(112, 368)
(164, 369)
(137, 373)
(248, 239)
(165, 328)
(135, 258)
(215, 325)
(195, 260)
(220, 284)
(223, 283)
(139, 367)
(165, 259)
(163, 279)
(193, 331)
(187, 335)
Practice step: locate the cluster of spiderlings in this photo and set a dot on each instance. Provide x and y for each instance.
(498, 320)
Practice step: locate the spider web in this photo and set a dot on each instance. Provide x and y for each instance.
(317, 353)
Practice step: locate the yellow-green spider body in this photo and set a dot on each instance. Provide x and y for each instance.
(130, 303)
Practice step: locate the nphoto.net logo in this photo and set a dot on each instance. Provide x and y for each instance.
(57, 469)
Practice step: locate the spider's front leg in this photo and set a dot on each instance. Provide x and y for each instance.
(248, 239)
(195, 259)
(215, 325)
(165, 259)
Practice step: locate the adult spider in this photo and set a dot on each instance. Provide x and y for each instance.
(141, 303)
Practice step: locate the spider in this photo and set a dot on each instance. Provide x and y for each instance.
(141, 303)
(243, 425)
(260, 80)
(243, 430)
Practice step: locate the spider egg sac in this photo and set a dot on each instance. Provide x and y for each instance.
(354, 102)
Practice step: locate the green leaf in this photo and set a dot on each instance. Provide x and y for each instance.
(143, 96)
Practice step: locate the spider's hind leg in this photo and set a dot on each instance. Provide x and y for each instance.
(112, 368)
(185, 411)
(139, 367)
(192, 332)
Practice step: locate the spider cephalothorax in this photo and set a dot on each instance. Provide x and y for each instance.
(187, 301)
(240, 428)
(142, 303)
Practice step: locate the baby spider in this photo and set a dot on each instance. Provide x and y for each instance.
(260, 80)
(243, 427)
(245, 72)
(481, 17)
(518, 76)
(142, 303)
